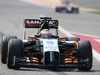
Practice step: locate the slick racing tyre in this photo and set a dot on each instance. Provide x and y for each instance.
(85, 52)
(14, 49)
(4, 47)
(73, 39)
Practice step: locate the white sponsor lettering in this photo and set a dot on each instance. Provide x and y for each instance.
(52, 22)
(33, 22)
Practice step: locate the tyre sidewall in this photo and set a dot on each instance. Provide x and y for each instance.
(4, 47)
(14, 49)
(85, 51)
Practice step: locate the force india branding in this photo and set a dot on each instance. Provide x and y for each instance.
(50, 45)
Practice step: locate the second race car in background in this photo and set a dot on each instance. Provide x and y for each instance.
(66, 8)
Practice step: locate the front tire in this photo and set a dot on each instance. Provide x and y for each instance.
(4, 47)
(14, 49)
(85, 51)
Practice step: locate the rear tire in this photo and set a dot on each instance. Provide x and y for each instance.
(4, 47)
(85, 51)
(14, 49)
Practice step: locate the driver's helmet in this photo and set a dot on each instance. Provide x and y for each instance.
(45, 33)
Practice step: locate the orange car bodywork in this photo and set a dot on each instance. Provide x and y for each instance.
(33, 59)
(71, 59)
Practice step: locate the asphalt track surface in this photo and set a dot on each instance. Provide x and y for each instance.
(12, 15)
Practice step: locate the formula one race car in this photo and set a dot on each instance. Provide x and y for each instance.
(45, 49)
(67, 8)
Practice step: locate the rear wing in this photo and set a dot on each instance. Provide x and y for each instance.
(35, 23)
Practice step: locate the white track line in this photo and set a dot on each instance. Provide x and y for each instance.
(96, 55)
(67, 33)
(97, 40)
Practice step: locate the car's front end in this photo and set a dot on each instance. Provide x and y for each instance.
(48, 53)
